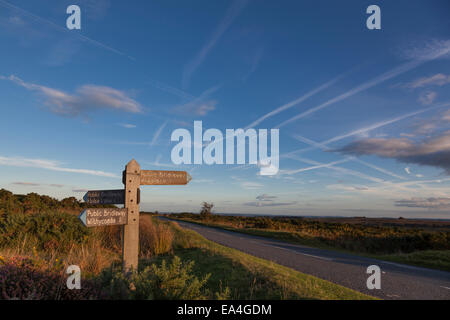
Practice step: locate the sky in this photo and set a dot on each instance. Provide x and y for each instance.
(363, 115)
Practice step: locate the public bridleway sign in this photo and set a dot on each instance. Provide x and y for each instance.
(156, 177)
(133, 177)
(105, 197)
(99, 217)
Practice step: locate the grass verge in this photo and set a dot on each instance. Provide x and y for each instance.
(249, 277)
(175, 263)
(434, 259)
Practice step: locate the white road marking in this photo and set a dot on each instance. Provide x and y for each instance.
(445, 287)
(401, 265)
(297, 252)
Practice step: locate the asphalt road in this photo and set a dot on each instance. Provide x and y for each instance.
(398, 281)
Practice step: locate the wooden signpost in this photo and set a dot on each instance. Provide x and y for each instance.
(133, 178)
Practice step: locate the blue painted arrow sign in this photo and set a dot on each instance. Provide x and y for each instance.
(105, 197)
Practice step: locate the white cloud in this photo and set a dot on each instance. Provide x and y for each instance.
(56, 185)
(268, 204)
(127, 125)
(28, 184)
(439, 79)
(36, 184)
(427, 98)
(342, 187)
(251, 185)
(369, 128)
(85, 99)
(265, 200)
(265, 197)
(428, 203)
(388, 190)
(434, 151)
(325, 148)
(430, 50)
(199, 106)
(446, 115)
(49, 165)
(424, 127)
(409, 135)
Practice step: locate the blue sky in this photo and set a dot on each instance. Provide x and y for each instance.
(364, 115)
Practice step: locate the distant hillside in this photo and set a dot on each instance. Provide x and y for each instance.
(34, 203)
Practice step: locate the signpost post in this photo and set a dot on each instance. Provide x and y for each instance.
(133, 178)
(130, 247)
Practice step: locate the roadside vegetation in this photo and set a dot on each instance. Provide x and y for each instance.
(34, 203)
(36, 249)
(421, 245)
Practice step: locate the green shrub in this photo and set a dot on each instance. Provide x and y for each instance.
(45, 231)
(34, 203)
(114, 284)
(174, 281)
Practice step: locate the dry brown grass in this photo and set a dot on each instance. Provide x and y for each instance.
(100, 249)
(155, 238)
(91, 256)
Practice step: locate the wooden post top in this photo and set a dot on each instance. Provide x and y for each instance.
(133, 167)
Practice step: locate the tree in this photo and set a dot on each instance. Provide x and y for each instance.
(206, 211)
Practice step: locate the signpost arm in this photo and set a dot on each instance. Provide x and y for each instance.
(131, 230)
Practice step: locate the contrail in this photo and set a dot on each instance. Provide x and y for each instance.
(344, 170)
(232, 13)
(385, 76)
(317, 166)
(369, 128)
(361, 175)
(157, 134)
(59, 28)
(325, 148)
(49, 165)
(295, 102)
(172, 90)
